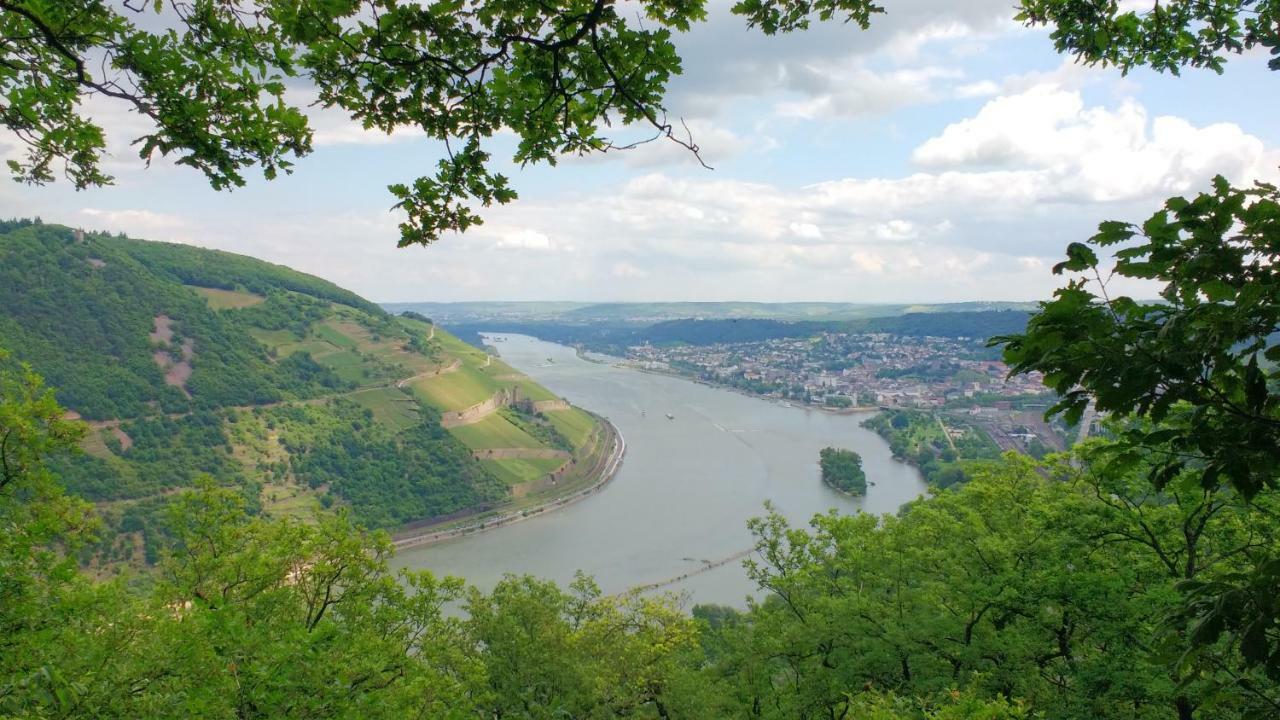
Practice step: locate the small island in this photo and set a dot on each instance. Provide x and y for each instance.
(842, 470)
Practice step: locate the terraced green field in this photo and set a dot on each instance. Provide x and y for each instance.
(534, 391)
(328, 332)
(349, 366)
(494, 431)
(519, 471)
(390, 407)
(456, 390)
(573, 423)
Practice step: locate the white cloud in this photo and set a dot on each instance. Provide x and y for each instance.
(826, 66)
(524, 239)
(982, 88)
(853, 91)
(627, 270)
(138, 223)
(806, 230)
(1099, 153)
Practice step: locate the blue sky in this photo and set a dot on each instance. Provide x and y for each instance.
(946, 154)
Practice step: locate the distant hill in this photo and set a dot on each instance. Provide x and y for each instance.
(190, 362)
(614, 338)
(465, 313)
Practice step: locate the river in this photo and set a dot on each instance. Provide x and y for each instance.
(686, 488)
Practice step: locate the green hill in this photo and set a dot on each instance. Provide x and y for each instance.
(189, 362)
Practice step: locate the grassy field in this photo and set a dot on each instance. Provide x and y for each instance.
(520, 471)
(390, 407)
(273, 338)
(328, 332)
(573, 423)
(291, 500)
(95, 443)
(456, 390)
(227, 299)
(534, 391)
(494, 431)
(317, 347)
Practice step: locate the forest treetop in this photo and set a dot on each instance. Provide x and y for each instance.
(211, 76)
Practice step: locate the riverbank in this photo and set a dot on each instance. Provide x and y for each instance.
(687, 489)
(851, 410)
(583, 356)
(604, 470)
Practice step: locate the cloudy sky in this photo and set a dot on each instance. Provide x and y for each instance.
(946, 154)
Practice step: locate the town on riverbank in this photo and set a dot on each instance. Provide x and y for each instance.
(953, 393)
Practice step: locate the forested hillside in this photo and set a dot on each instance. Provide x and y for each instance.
(296, 393)
(614, 337)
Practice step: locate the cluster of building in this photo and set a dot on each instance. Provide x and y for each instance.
(854, 369)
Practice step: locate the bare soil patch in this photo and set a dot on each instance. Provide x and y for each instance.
(176, 371)
(126, 442)
(163, 332)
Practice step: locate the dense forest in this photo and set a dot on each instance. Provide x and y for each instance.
(842, 470)
(81, 308)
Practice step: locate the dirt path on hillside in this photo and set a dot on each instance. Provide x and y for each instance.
(450, 368)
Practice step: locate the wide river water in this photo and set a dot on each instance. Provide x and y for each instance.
(686, 488)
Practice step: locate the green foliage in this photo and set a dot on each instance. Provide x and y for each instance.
(775, 16)
(214, 85)
(166, 453)
(842, 470)
(1048, 589)
(1199, 363)
(537, 425)
(1166, 36)
(1193, 376)
(917, 437)
(1033, 591)
(87, 328)
(387, 479)
(227, 271)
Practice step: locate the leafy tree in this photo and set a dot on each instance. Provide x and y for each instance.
(842, 470)
(1165, 35)
(213, 84)
(1194, 374)
(1200, 362)
(1047, 583)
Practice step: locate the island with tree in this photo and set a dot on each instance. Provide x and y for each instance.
(842, 470)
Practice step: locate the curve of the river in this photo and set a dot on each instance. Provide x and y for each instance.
(686, 488)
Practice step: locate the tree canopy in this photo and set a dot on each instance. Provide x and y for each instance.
(213, 78)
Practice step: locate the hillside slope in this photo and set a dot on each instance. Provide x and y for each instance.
(190, 363)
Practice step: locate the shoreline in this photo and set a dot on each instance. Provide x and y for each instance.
(612, 463)
(852, 410)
